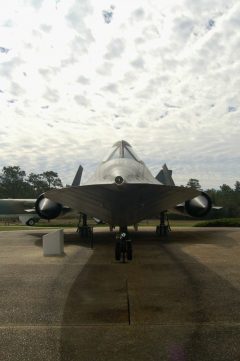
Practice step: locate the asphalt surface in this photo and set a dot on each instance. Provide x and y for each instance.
(178, 300)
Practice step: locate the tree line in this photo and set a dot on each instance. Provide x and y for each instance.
(15, 183)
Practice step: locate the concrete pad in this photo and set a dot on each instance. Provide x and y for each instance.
(177, 300)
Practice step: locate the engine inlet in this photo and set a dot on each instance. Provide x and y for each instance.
(119, 180)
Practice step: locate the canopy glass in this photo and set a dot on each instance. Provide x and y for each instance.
(122, 149)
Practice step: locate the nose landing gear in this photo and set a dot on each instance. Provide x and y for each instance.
(123, 249)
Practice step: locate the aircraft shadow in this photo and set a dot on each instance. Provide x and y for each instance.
(186, 309)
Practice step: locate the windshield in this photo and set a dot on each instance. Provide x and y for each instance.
(122, 149)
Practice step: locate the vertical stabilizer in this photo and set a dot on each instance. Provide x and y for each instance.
(78, 176)
(165, 176)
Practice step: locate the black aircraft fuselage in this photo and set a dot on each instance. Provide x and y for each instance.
(121, 192)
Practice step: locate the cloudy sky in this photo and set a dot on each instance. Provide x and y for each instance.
(78, 75)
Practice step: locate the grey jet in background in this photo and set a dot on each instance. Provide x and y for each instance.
(123, 192)
(19, 208)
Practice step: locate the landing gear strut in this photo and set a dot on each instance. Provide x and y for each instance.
(84, 229)
(123, 249)
(164, 227)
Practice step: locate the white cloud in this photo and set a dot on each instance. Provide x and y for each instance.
(162, 75)
(115, 49)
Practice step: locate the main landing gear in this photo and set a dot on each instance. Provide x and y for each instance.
(164, 227)
(84, 229)
(123, 249)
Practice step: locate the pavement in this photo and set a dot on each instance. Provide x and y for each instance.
(178, 300)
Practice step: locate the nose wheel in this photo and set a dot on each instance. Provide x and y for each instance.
(123, 248)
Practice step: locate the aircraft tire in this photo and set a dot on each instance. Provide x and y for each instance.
(30, 222)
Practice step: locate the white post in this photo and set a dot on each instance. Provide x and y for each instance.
(53, 243)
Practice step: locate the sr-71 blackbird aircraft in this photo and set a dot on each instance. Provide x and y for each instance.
(122, 192)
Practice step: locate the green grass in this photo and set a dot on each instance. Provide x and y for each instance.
(20, 228)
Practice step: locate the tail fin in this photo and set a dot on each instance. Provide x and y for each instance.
(165, 176)
(78, 176)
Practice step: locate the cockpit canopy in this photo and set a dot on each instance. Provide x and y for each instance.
(122, 149)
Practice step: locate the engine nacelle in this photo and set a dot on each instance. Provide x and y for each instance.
(199, 206)
(46, 208)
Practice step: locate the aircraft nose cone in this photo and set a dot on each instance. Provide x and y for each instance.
(199, 206)
(46, 208)
(46, 205)
(199, 202)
